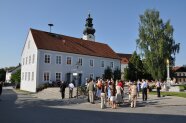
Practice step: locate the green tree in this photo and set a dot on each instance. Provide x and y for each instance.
(16, 77)
(108, 74)
(135, 68)
(2, 74)
(117, 74)
(156, 43)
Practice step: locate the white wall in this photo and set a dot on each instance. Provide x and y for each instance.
(86, 70)
(29, 85)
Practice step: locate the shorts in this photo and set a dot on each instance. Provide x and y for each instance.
(112, 98)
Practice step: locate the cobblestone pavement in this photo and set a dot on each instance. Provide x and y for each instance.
(47, 106)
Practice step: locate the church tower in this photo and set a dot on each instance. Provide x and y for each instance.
(88, 33)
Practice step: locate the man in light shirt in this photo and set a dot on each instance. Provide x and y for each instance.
(71, 86)
(144, 90)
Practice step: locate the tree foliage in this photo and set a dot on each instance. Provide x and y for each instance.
(135, 68)
(157, 43)
(16, 77)
(108, 74)
(2, 74)
(117, 74)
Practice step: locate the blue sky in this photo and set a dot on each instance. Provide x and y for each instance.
(116, 22)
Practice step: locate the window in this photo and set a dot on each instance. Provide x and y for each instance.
(23, 61)
(111, 64)
(47, 58)
(183, 74)
(32, 76)
(80, 60)
(28, 76)
(58, 59)
(26, 60)
(91, 76)
(25, 75)
(46, 76)
(69, 60)
(102, 64)
(22, 76)
(180, 74)
(29, 59)
(33, 58)
(58, 76)
(91, 62)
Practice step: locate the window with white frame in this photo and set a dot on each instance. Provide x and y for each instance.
(69, 60)
(28, 76)
(91, 62)
(22, 75)
(47, 58)
(58, 59)
(80, 61)
(29, 59)
(26, 60)
(102, 64)
(32, 76)
(58, 76)
(46, 76)
(111, 64)
(25, 75)
(33, 58)
(91, 76)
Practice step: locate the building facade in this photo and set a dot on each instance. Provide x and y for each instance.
(179, 74)
(48, 57)
(10, 72)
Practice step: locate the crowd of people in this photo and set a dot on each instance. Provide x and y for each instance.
(111, 93)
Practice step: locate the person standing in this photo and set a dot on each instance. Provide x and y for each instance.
(138, 87)
(119, 91)
(103, 95)
(71, 87)
(113, 95)
(133, 89)
(90, 90)
(144, 90)
(62, 89)
(158, 87)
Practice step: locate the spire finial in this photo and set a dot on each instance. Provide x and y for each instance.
(89, 13)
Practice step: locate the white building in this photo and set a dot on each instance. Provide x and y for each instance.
(51, 57)
(10, 72)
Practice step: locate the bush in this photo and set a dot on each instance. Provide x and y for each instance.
(41, 87)
(182, 87)
(82, 90)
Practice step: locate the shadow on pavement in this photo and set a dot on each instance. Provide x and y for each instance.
(33, 110)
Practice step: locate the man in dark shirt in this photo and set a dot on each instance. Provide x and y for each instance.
(62, 89)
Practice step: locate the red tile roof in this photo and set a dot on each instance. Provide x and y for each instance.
(179, 69)
(62, 43)
(124, 58)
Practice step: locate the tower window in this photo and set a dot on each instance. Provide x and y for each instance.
(47, 58)
(69, 60)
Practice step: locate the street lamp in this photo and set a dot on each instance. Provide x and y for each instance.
(168, 73)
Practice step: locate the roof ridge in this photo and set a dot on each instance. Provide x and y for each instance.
(68, 36)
